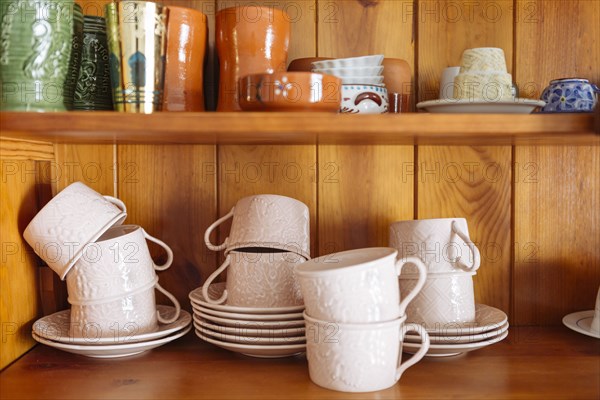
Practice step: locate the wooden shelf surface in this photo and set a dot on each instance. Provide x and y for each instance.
(543, 363)
(301, 128)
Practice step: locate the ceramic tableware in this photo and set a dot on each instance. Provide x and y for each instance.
(351, 62)
(248, 317)
(483, 76)
(137, 38)
(585, 322)
(248, 339)
(36, 47)
(76, 216)
(447, 82)
(351, 71)
(252, 324)
(75, 60)
(465, 106)
(186, 47)
(266, 221)
(458, 339)
(356, 286)
(364, 99)
(290, 91)
(258, 279)
(448, 350)
(443, 244)
(359, 357)
(570, 95)
(487, 318)
(252, 332)
(250, 40)
(257, 350)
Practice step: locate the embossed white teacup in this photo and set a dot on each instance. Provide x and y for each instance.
(359, 357)
(445, 299)
(443, 244)
(266, 221)
(357, 286)
(259, 279)
(76, 216)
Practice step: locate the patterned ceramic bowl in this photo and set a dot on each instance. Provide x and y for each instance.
(570, 95)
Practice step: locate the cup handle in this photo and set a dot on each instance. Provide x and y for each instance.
(116, 202)
(419, 330)
(175, 303)
(420, 282)
(474, 251)
(162, 244)
(212, 227)
(212, 278)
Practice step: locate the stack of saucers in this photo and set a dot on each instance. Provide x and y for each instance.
(253, 331)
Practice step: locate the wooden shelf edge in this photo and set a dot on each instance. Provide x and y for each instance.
(301, 128)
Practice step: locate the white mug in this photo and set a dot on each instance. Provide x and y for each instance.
(266, 221)
(258, 279)
(359, 357)
(445, 299)
(357, 286)
(447, 82)
(443, 244)
(76, 216)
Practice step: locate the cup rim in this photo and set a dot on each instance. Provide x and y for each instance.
(414, 221)
(134, 228)
(439, 275)
(384, 253)
(358, 326)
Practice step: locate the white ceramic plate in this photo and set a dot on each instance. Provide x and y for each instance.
(353, 71)
(216, 290)
(248, 339)
(241, 324)
(487, 318)
(111, 351)
(460, 339)
(242, 331)
(247, 317)
(352, 62)
(447, 350)
(264, 351)
(452, 106)
(581, 322)
(55, 327)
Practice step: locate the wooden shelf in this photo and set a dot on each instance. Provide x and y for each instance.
(544, 363)
(301, 128)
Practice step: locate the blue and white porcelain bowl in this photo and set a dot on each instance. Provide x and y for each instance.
(570, 95)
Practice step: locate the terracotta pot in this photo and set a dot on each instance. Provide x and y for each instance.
(250, 40)
(186, 48)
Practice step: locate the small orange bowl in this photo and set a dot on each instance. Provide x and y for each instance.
(290, 91)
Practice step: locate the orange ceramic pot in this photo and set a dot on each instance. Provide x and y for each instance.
(250, 40)
(186, 46)
(290, 91)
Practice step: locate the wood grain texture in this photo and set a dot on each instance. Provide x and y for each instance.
(170, 192)
(14, 149)
(520, 367)
(19, 291)
(93, 165)
(557, 211)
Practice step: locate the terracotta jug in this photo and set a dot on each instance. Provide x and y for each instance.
(250, 40)
(186, 46)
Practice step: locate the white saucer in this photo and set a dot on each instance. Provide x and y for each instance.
(453, 106)
(248, 317)
(249, 339)
(264, 351)
(55, 327)
(242, 331)
(487, 318)
(111, 351)
(241, 324)
(447, 350)
(581, 322)
(216, 290)
(456, 339)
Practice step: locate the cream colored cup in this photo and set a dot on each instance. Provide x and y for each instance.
(443, 244)
(266, 221)
(595, 327)
(76, 216)
(445, 299)
(357, 286)
(447, 82)
(359, 357)
(259, 279)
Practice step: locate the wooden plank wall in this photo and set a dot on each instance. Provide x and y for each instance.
(534, 211)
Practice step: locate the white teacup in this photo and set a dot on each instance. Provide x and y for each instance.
(447, 82)
(359, 357)
(76, 216)
(267, 221)
(443, 244)
(445, 298)
(356, 286)
(259, 279)
(595, 327)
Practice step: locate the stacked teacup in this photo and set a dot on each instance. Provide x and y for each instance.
(363, 90)
(109, 271)
(269, 237)
(446, 302)
(355, 321)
